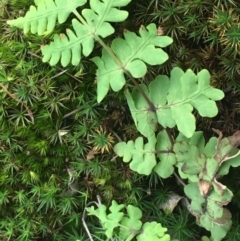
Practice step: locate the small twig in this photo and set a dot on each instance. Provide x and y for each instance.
(116, 135)
(58, 74)
(85, 226)
(98, 204)
(170, 137)
(72, 112)
(99, 200)
(179, 179)
(63, 71)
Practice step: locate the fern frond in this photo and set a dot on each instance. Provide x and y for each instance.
(133, 52)
(174, 100)
(94, 23)
(43, 17)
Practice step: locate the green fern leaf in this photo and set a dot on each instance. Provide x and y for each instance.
(192, 191)
(69, 47)
(133, 52)
(43, 17)
(196, 140)
(234, 162)
(190, 161)
(108, 221)
(132, 223)
(218, 230)
(100, 212)
(165, 167)
(175, 98)
(113, 218)
(153, 231)
(144, 119)
(215, 218)
(142, 155)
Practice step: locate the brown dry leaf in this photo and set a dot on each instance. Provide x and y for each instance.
(224, 219)
(171, 202)
(235, 139)
(159, 31)
(217, 156)
(91, 154)
(225, 146)
(204, 187)
(220, 187)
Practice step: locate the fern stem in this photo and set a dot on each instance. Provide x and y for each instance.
(131, 237)
(150, 104)
(170, 138)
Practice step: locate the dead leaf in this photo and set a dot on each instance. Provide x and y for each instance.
(219, 186)
(159, 31)
(225, 146)
(204, 187)
(91, 154)
(224, 219)
(171, 202)
(235, 139)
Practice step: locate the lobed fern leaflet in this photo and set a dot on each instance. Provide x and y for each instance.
(43, 17)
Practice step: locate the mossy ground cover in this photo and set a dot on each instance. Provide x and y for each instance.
(56, 142)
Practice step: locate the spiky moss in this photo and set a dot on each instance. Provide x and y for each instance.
(55, 139)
